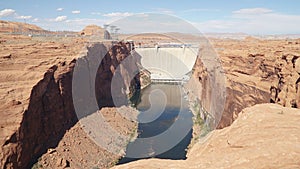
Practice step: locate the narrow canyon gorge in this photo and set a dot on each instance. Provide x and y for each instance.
(252, 97)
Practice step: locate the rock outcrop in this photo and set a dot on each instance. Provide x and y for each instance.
(49, 114)
(41, 121)
(29, 123)
(117, 76)
(263, 136)
(257, 71)
(77, 150)
(94, 30)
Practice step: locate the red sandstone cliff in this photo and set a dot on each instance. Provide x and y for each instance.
(256, 71)
(49, 112)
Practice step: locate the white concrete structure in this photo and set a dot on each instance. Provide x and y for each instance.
(168, 63)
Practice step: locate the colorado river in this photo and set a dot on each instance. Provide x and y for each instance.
(163, 111)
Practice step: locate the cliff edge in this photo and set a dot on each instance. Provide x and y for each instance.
(263, 136)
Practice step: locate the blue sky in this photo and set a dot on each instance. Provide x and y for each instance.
(248, 16)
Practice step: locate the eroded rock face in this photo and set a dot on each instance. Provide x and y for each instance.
(50, 112)
(94, 30)
(24, 61)
(117, 73)
(256, 72)
(285, 89)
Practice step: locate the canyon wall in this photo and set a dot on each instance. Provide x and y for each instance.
(117, 76)
(256, 71)
(50, 111)
(49, 114)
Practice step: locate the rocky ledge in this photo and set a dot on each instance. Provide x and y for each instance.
(263, 136)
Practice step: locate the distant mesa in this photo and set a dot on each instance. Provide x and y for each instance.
(94, 30)
(25, 28)
(13, 27)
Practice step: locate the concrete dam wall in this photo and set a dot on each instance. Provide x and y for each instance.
(167, 63)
